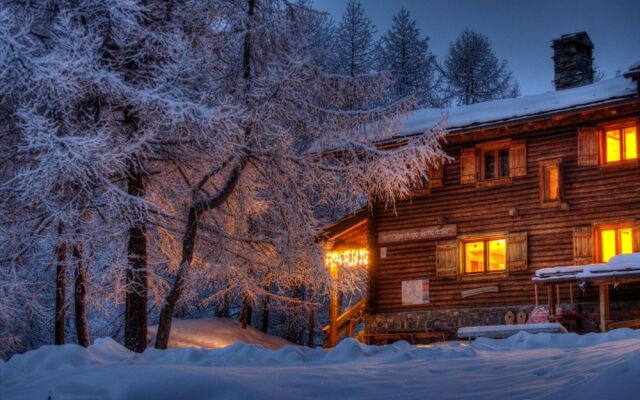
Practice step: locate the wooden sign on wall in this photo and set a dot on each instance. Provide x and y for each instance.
(427, 232)
(480, 290)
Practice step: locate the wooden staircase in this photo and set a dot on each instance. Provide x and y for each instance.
(345, 324)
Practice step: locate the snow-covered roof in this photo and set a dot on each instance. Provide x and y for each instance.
(620, 266)
(499, 111)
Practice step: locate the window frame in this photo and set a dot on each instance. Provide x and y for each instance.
(602, 142)
(485, 239)
(597, 232)
(496, 148)
(543, 166)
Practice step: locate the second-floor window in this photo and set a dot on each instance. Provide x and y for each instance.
(495, 163)
(620, 143)
(551, 182)
(492, 163)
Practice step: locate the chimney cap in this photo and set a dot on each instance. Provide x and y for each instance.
(580, 37)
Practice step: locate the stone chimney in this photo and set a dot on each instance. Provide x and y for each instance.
(572, 60)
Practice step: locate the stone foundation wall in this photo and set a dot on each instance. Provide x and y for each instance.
(449, 320)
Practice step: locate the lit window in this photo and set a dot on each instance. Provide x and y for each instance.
(614, 242)
(620, 144)
(630, 143)
(551, 181)
(497, 255)
(485, 256)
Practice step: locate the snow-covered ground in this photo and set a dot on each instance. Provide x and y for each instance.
(541, 366)
(214, 333)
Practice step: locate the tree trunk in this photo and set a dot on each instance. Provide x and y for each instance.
(265, 315)
(61, 256)
(188, 246)
(135, 323)
(80, 299)
(245, 315)
(294, 334)
(312, 327)
(223, 308)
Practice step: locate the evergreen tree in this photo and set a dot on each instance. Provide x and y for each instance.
(354, 46)
(405, 54)
(319, 32)
(473, 72)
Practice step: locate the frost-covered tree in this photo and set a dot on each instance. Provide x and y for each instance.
(474, 74)
(405, 53)
(303, 145)
(106, 95)
(176, 153)
(354, 43)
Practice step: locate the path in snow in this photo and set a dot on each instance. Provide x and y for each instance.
(214, 333)
(542, 366)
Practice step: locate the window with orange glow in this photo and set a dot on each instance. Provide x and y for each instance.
(620, 144)
(552, 183)
(485, 256)
(615, 241)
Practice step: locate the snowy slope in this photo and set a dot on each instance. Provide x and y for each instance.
(214, 333)
(589, 367)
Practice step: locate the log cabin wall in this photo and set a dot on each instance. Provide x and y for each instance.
(591, 194)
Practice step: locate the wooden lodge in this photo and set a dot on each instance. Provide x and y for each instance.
(533, 182)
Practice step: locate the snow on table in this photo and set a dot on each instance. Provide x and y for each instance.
(542, 366)
(620, 266)
(505, 331)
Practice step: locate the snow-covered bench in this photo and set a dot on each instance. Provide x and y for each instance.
(504, 331)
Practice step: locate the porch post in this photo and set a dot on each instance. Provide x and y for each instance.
(604, 307)
(550, 301)
(334, 306)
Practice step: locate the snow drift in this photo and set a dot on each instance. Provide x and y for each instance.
(549, 366)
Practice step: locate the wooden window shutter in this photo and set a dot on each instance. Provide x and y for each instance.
(436, 176)
(518, 158)
(583, 245)
(588, 146)
(468, 166)
(447, 259)
(517, 251)
(636, 237)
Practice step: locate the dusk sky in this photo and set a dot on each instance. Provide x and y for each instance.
(521, 30)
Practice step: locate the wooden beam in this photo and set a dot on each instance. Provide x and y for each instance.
(633, 323)
(550, 302)
(334, 306)
(604, 307)
(372, 246)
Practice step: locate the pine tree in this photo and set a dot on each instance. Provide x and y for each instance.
(319, 32)
(473, 72)
(354, 46)
(405, 54)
